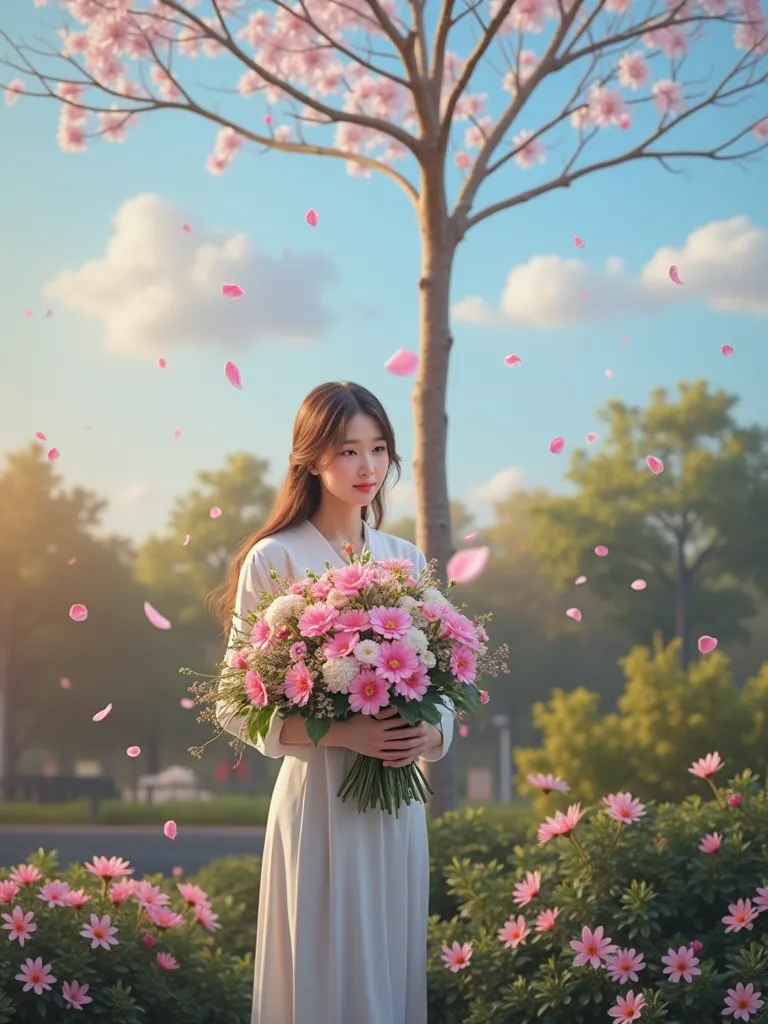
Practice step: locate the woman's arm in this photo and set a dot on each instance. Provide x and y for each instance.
(294, 733)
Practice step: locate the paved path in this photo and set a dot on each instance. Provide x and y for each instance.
(144, 846)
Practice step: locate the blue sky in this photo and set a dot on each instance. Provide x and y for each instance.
(112, 414)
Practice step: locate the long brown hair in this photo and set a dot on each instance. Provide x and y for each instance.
(319, 428)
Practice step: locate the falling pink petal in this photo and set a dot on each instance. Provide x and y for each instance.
(133, 751)
(707, 644)
(591, 438)
(463, 731)
(101, 715)
(186, 227)
(655, 465)
(185, 541)
(177, 432)
(65, 683)
(71, 561)
(215, 512)
(579, 580)
(638, 584)
(674, 275)
(609, 374)
(48, 313)
(512, 359)
(154, 616)
(402, 363)
(27, 312)
(578, 242)
(187, 703)
(232, 291)
(162, 363)
(467, 565)
(585, 295)
(471, 536)
(232, 374)
(557, 445)
(601, 550)
(574, 613)
(78, 612)
(170, 830)
(53, 454)
(311, 218)
(727, 350)
(40, 435)
(625, 341)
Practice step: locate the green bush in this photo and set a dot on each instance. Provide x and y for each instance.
(129, 981)
(232, 883)
(223, 810)
(647, 883)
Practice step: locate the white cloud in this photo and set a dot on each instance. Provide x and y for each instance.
(157, 286)
(721, 264)
(499, 486)
(133, 494)
(401, 499)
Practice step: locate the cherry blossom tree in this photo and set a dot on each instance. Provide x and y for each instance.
(441, 96)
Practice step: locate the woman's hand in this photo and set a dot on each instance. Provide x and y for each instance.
(388, 737)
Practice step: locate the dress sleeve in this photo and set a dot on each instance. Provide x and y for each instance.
(253, 582)
(446, 714)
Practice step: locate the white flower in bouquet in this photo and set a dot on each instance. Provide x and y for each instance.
(337, 600)
(366, 652)
(432, 595)
(416, 640)
(427, 659)
(408, 602)
(282, 609)
(338, 673)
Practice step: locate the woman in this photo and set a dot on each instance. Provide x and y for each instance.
(343, 902)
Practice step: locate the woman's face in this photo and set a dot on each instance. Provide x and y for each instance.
(357, 469)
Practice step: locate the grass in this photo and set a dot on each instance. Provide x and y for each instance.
(221, 810)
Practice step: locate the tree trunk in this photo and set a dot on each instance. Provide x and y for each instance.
(433, 517)
(683, 609)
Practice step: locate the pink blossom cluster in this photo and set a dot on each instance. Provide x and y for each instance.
(593, 948)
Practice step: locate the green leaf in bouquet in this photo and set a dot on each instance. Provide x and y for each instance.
(317, 728)
(430, 713)
(259, 723)
(408, 709)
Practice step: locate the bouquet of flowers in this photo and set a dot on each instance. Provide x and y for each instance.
(352, 641)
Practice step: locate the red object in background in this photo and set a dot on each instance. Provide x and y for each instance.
(222, 771)
(241, 771)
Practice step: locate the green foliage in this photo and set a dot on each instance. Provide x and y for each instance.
(666, 717)
(127, 985)
(223, 809)
(647, 884)
(232, 883)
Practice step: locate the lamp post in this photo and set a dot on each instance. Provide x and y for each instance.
(505, 757)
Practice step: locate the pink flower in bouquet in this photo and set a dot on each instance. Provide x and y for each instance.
(629, 1007)
(299, 587)
(395, 660)
(624, 808)
(354, 620)
(119, 892)
(457, 957)
(75, 994)
(741, 915)
(680, 964)
(36, 976)
(237, 659)
(742, 1001)
(317, 620)
(368, 692)
(206, 918)
(548, 783)
(560, 825)
(298, 651)
(76, 898)
(341, 645)
(705, 767)
(623, 965)
(455, 626)
(8, 891)
(396, 563)
(545, 921)
(149, 941)
(192, 895)
(711, 842)
(260, 635)
(26, 874)
(415, 686)
(321, 588)
(148, 895)
(19, 925)
(528, 889)
(591, 948)
(392, 623)
(513, 932)
(298, 684)
(53, 894)
(255, 690)
(485, 697)
(101, 932)
(432, 611)
(463, 664)
(353, 578)
(164, 917)
(109, 867)
(167, 961)
(482, 635)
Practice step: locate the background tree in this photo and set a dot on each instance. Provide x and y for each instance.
(377, 83)
(462, 522)
(695, 532)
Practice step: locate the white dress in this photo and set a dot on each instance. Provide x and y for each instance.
(343, 902)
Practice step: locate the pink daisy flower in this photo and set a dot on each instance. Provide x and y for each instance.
(391, 623)
(395, 660)
(192, 895)
(255, 690)
(19, 925)
(149, 895)
(75, 994)
(711, 842)
(108, 868)
(396, 563)
(622, 807)
(167, 961)
(119, 892)
(545, 921)
(53, 893)
(528, 889)
(741, 915)
(317, 620)
(164, 917)
(513, 932)
(76, 898)
(341, 645)
(206, 918)
(548, 783)
(705, 767)
(298, 651)
(148, 940)
(629, 1007)
(623, 965)
(761, 898)
(260, 634)
(591, 948)
(354, 620)
(237, 660)
(415, 686)
(26, 874)
(353, 578)
(455, 626)
(298, 684)
(36, 976)
(742, 1001)
(463, 664)
(9, 890)
(431, 610)
(457, 957)
(101, 932)
(680, 964)
(560, 825)
(299, 587)
(321, 588)
(485, 697)
(368, 692)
